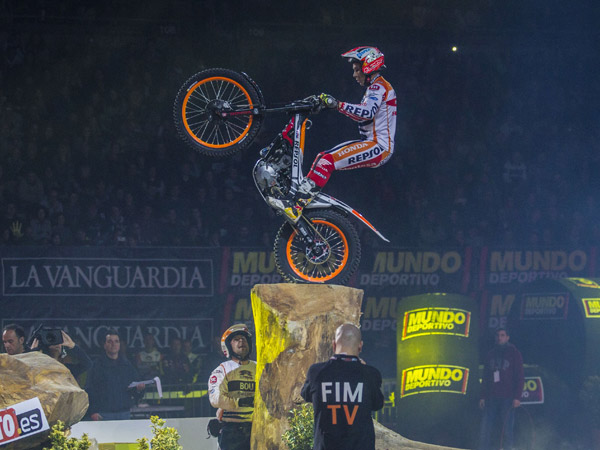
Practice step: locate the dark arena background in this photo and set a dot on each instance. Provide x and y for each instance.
(109, 220)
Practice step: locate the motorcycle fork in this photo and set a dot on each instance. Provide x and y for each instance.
(308, 233)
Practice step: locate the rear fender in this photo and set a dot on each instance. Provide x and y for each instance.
(324, 201)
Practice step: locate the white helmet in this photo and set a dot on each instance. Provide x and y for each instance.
(230, 333)
(370, 58)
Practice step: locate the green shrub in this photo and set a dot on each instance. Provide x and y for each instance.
(300, 434)
(165, 438)
(58, 439)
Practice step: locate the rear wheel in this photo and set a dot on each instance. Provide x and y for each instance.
(205, 111)
(332, 259)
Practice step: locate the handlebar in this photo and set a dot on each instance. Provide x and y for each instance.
(312, 104)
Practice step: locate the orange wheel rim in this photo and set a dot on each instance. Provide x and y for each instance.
(243, 129)
(336, 269)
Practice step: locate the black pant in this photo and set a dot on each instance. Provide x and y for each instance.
(235, 436)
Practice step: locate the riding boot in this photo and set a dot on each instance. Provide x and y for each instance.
(293, 206)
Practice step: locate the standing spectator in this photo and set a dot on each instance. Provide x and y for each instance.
(501, 390)
(148, 360)
(108, 382)
(193, 358)
(13, 338)
(344, 421)
(175, 365)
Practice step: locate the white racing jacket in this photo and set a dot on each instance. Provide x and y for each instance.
(227, 384)
(376, 114)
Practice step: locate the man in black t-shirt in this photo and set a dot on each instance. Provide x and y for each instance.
(344, 391)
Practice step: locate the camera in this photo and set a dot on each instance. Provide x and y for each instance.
(48, 336)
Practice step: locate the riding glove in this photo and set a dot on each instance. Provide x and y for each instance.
(328, 101)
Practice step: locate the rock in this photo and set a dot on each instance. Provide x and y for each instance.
(386, 439)
(295, 326)
(34, 374)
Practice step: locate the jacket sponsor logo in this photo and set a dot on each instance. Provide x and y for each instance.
(339, 392)
(246, 374)
(353, 147)
(544, 306)
(238, 385)
(375, 151)
(429, 321)
(434, 378)
(213, 379)
(591, 307)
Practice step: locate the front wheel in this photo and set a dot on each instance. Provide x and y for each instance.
(332, 259)
(212, 111)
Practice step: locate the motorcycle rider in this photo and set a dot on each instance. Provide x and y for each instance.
(376, 117)
(231, 389)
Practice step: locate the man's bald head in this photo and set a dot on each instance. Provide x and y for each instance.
(348, 340)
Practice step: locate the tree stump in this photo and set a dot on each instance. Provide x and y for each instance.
(34, 374)
(295, 327)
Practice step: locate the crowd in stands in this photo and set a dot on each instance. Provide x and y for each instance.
(495, 146)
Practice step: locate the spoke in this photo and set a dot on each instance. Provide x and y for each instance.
(337, 250)
(222, 130)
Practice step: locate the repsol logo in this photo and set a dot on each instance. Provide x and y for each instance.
(434, 378)
(429, 321)
(375, 151)
(417, 262)
(502, 261)
(361, 111)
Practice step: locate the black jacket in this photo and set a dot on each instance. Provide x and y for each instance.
(107, 385)
(343, 392)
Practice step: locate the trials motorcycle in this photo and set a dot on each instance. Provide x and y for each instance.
(219, 112)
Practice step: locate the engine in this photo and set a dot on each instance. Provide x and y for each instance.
(272, 172)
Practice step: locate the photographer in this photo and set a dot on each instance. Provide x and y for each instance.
(58, 345)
